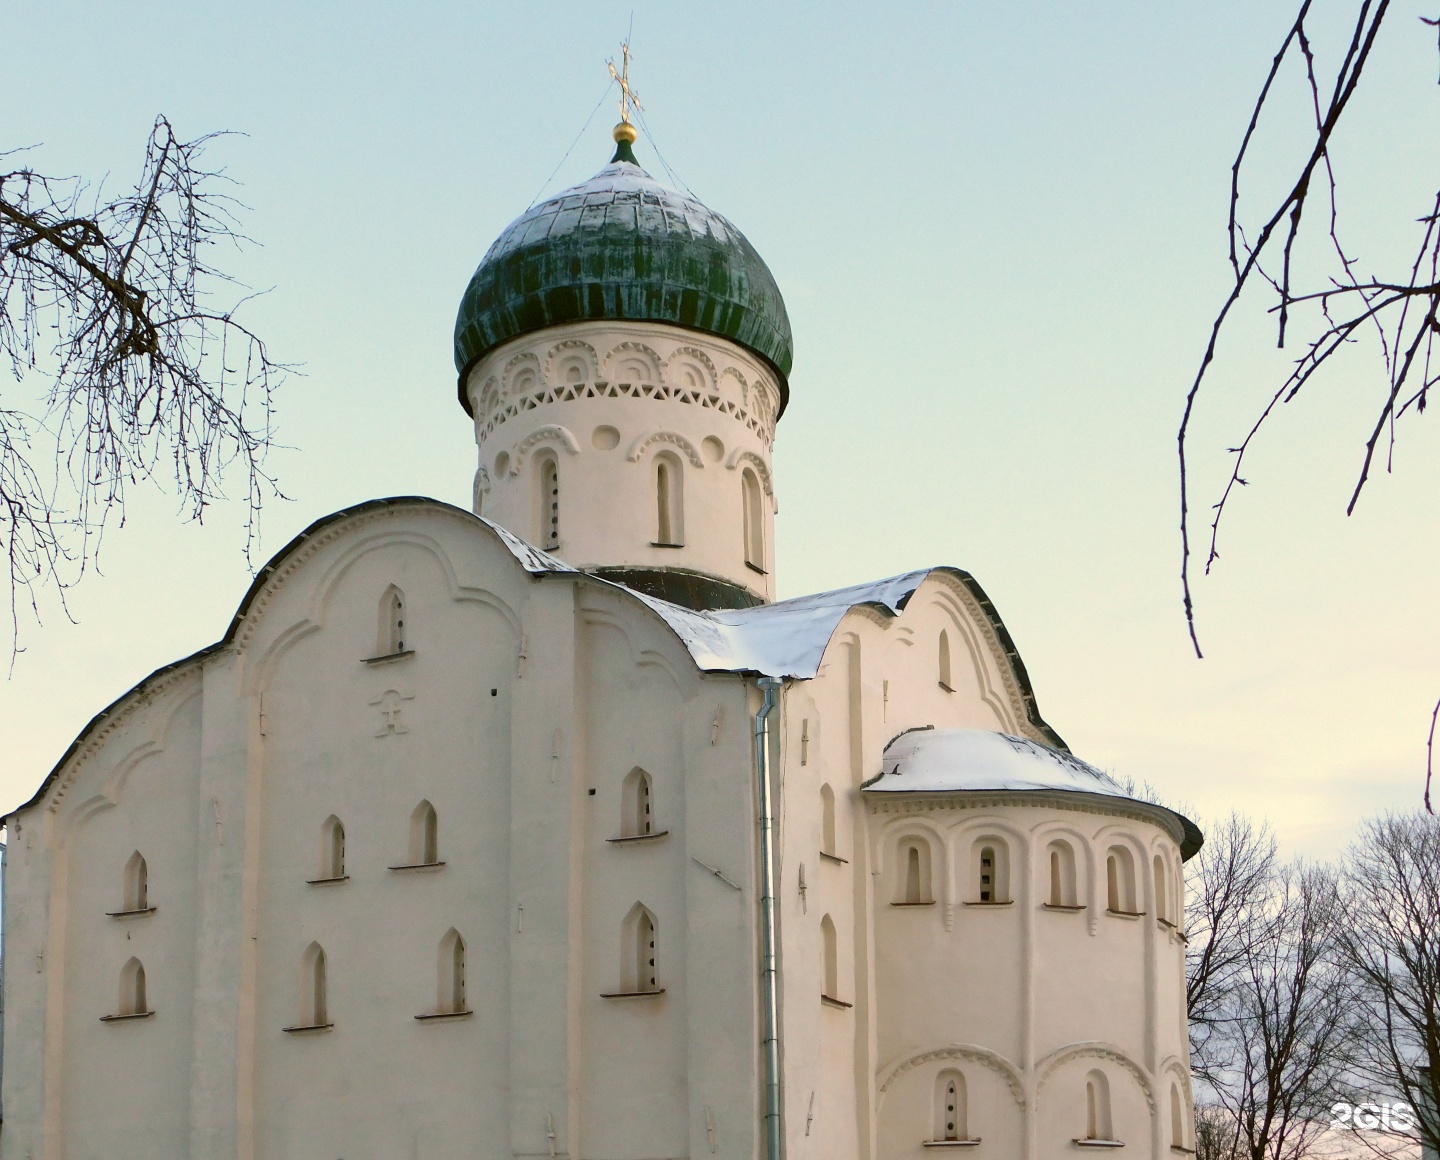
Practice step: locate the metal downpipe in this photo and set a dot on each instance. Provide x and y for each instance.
(771, 687)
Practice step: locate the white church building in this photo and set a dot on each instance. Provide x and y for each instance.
(544, 830)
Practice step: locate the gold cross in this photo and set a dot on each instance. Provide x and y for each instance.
(621, 76)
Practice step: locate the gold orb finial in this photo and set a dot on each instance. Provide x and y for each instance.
(625, 133)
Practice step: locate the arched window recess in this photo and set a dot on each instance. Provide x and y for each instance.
(332, 853)
(639, 961)
(391, 636)
(1178, 1134)
(1163, 911)
(637, 809)
(990, 873)
(133, 1002)
(830, 965)
(424, 850)
(913, 872)
(134, 889)
(1098, 1130)
(669, 502)
(1063, 892)
(450, 1000)
(314, 996)
(754, 522)
(547, 500)
(829, 847)
(952, 1114)
(945, 680)
(1120, 893)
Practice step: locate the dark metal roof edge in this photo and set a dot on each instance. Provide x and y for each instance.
(782, 378)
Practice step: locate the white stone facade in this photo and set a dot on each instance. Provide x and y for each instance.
(604, 405)
(524, 707)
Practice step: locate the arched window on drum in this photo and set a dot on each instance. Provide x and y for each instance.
(754, 514)
(669, 501)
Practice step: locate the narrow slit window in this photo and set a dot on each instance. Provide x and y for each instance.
(827, 822)
(1063, 890)
(133, 1000)
(915, 872)
(1097, 1107)
(392, 623)
(944, 649)
(662, 498)
(669, 501)
(314, 989)
(424, 836)
(754, 520)
(136, 892)
(1120, 881)
(990, 869)
(951, 1110)
(1177, 1117)
(1162, 903)
(547, 500)
(636, 818)
(912, 875)
(830, 952)
(639, 974)
(450, 998)
(332, 849)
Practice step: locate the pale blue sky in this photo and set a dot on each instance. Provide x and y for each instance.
(999, 232)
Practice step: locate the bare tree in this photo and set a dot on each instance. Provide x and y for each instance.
(1268, 1013)
(112, 306)
(1228, 884)
(1390, 946)
(1215, 1135)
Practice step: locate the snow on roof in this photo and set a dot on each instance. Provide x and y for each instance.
(941, 760)
(784, 639)
(960, 760)
(531, 558)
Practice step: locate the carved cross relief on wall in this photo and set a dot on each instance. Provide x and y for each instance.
(391, 705)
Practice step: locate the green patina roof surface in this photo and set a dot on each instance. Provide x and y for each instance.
(622, 246)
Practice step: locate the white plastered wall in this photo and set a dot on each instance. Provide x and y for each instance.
(234, 762)
(604, 399)
(1013, 997)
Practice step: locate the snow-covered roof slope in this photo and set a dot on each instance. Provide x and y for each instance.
(784, 639)
(939, 760)
(787, 638)
(968, 760)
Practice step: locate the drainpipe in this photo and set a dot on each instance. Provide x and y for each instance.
(771, 687)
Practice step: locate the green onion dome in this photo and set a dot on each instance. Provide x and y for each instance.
(621, 246)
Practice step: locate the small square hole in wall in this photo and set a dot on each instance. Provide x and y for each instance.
(494, 692)
(592, 793)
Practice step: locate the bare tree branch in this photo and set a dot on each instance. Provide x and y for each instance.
(114, 307)
(1403, 313)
